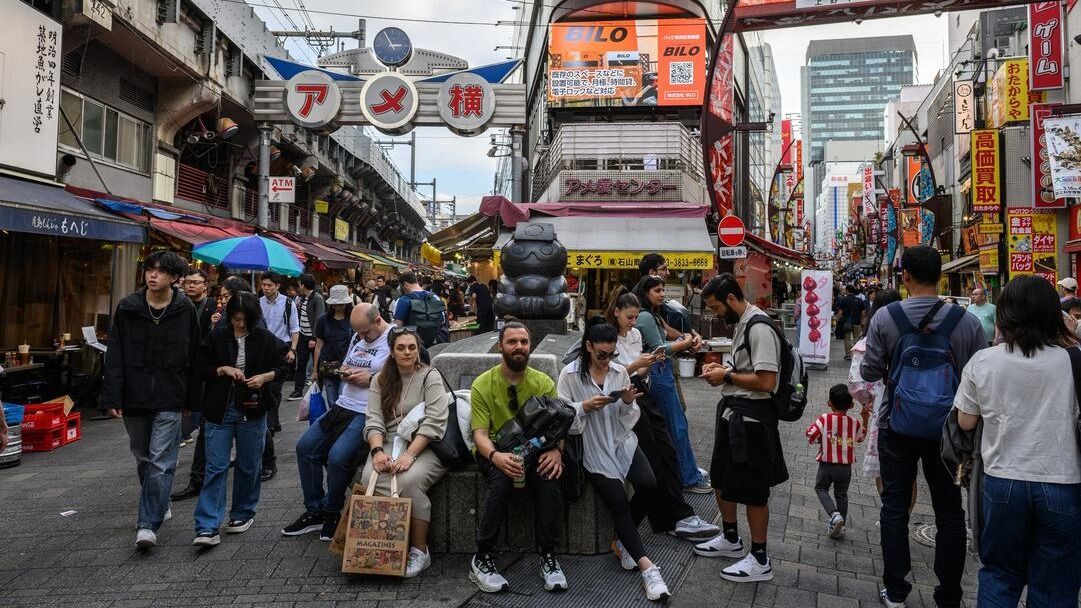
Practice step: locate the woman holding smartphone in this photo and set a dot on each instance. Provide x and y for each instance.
(601, 393)
(238, 362)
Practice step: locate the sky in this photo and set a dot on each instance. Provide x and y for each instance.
(460, 165)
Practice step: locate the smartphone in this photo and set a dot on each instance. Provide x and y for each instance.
(658, 352)
(615, 396)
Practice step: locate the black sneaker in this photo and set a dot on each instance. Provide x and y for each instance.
(189, 492)
(330, 525)
(294, 396)
(236, 526)
(207, 539)
(268, 473)
(309, 522)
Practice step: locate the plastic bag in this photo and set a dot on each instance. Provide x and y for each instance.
(861, 390)
(304, 409)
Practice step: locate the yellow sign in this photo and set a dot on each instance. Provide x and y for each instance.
(341, 229)
(989, 259)
(322, 206)
(990, 228)
(628, 260)
(986, 172)
(1010, 95)
(1032, 243)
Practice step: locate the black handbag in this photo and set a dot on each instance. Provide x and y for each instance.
(1075, 367)
(451, 450)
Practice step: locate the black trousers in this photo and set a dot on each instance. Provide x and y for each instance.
(898, 456)
(665, 506)
(840, 477)
(198, 458)
(304, 353)
(626, 515)
(547, 508)
(269, 457)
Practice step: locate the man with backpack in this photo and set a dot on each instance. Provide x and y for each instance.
(420, 309)
(919, 347)
(282, 319)
(747, 456)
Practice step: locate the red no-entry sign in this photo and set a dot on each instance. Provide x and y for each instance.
(730, 231)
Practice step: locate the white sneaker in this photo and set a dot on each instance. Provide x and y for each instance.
(625, 560)
(484, 575)
(748, 570)
(702, 487)
(417, 562)
(884, 597)
(654, 585)
(837, 526)
(554, 579)
(145, 538)
(694, 528)
(718, 546)
(168, 515)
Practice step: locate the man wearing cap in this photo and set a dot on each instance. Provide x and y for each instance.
(1067, 289)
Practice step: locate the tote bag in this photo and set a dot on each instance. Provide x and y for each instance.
(377, 537)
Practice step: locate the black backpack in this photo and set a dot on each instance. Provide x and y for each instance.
(791, 397)
(427, 315)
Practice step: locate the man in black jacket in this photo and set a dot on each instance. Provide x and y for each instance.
(150, 379)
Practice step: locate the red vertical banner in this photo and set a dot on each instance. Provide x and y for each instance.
(716, 130)
(1043, 192)
(1046, 27)
(786, 142)
(799, 160)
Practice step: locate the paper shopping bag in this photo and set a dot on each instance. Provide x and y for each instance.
(377, 536)
(337, 544)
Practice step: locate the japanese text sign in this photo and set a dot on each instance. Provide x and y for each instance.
(964, 103)
(1046, 27)
(1010, 95)
(1043, 192)
(627, 63)
(1032, 243)
(986, 182)
(1063, 137)
(630, 259)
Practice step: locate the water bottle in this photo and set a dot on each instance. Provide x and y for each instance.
(519, 482)
(799, 391)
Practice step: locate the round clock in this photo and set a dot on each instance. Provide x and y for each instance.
(392, 47)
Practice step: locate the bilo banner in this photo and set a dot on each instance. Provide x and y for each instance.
(627, 63)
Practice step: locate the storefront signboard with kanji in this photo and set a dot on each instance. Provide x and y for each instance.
(986, 182)
(466, 103)
(1010, 94)
(628, 260)
(1043, 191)
(1031, 243)
(1063, 136)
(1046, 27)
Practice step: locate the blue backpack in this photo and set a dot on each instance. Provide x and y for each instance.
(923, 375)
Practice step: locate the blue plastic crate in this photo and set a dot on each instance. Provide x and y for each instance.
(13, 414)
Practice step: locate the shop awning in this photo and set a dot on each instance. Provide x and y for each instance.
(194, 234)
(330, 257)
(383, 260)
(620, 243)
(778, 252)
(1073, 246)
(965, 264)
(38, 208)
(448, 238)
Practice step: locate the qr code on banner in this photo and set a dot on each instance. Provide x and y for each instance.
(682, 72)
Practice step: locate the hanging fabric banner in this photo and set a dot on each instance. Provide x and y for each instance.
(816, 309)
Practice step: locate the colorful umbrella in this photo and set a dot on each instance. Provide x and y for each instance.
(250, 253)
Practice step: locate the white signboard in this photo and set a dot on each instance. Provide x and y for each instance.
(732, 253)
(313, 99)
(964, 104)
(467, 103)
(389, 101)
(283, 190)
(30, 87)
(815, 311)
(1063, 136)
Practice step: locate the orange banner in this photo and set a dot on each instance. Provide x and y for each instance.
(649, 62)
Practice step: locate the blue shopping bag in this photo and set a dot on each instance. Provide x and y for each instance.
(316, 407)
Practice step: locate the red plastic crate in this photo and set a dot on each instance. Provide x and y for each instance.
(43, 441)
(73, 428)
(43, 417)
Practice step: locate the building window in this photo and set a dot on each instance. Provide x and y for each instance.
(108, 135)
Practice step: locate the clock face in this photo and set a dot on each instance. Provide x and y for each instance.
(392, 47)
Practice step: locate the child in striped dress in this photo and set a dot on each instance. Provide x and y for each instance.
(836, 434)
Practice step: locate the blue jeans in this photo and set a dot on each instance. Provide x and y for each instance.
(154, 440)
(662, 388)
(1031, 536)
(332, 389)
(249, 436)
(315, 450)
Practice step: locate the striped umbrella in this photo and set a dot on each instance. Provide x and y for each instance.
(250, 253)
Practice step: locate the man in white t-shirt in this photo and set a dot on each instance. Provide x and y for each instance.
(338, 437)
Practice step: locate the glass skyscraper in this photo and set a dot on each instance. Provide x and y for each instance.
(846, 85)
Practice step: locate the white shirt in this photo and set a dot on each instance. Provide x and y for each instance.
(629, 347)
(274, 316)
(764, 354)
(366, 355)
(608, 442)
(1029, 412)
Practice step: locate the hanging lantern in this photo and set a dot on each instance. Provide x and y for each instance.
(275, 153)
(227, 127)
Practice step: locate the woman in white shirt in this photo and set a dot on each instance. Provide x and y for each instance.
(1023, 391)
(603, 398)
(666, 508)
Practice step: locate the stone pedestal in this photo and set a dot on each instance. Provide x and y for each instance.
(539, 328)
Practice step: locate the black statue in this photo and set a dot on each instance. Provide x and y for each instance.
(532, 284)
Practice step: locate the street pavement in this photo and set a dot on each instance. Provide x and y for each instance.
(87, 558)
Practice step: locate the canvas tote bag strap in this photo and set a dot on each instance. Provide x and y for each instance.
(374, 477)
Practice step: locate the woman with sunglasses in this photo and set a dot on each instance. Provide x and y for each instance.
(662, 382)
(601, 393)
(395, 391)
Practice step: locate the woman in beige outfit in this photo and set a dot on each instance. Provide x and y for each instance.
(395, 391)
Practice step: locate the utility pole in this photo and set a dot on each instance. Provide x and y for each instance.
(262, 212)
(434, 205)
(412, 143)
(517, 194)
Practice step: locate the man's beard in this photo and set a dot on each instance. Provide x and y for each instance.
(731, 317)
(514, 364)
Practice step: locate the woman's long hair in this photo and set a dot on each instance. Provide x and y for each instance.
(390, 377)
(884, 298)
(1029, 315)
(641, 291)
(622, 299)
(598, 331)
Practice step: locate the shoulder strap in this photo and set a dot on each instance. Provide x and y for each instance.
(1075, 365)
(953, 317)
(759, 320)
(900, 319)
(930, 316)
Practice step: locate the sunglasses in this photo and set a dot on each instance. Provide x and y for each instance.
(399, 330)
(512, 391)
(604, 356)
